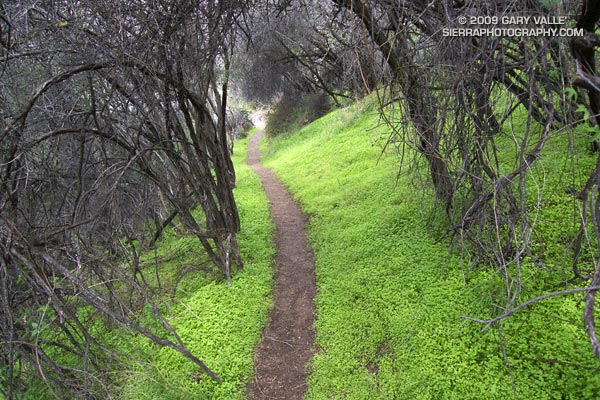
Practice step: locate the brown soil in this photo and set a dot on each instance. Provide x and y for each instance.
(280, 362)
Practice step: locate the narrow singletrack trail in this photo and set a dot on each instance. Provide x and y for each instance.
(280, 366)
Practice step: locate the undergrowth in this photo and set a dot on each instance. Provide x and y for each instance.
(220, 324)
(391, 299)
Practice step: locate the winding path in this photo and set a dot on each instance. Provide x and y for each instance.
(280, 366)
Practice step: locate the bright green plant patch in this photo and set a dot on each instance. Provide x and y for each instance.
(390, 297)
(220, 324)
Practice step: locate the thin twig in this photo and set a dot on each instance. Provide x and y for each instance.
(490, 322)
(280, 341)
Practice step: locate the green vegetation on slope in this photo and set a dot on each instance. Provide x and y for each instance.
(390, 299)
(220, 324)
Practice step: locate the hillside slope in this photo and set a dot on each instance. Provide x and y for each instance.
(391, 299)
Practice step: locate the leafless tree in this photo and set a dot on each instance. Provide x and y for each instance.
(583, 50)
(113, 125)
(294, 48)
(452, 109)
(451, 114)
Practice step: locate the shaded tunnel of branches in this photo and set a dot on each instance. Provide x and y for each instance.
(114, 126)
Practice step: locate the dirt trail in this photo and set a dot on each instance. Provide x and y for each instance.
(281, 358)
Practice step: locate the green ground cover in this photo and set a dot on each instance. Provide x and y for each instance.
(220, 324)
(390, 296)
(391, 299)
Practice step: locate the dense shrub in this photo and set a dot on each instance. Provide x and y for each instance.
(294, 111)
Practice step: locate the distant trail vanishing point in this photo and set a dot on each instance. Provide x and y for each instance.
(280, 367)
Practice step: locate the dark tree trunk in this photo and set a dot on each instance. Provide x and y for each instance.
(414, 88)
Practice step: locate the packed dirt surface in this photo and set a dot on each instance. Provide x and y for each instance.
(280, 363)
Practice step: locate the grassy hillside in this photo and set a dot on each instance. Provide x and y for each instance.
(220, 324)
(391, 299)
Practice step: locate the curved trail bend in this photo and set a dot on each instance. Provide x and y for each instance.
(280, 368)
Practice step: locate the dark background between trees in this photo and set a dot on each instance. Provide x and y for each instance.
(115, 124)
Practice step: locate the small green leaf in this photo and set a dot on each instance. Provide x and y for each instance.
(583, 109)
(571, 94)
